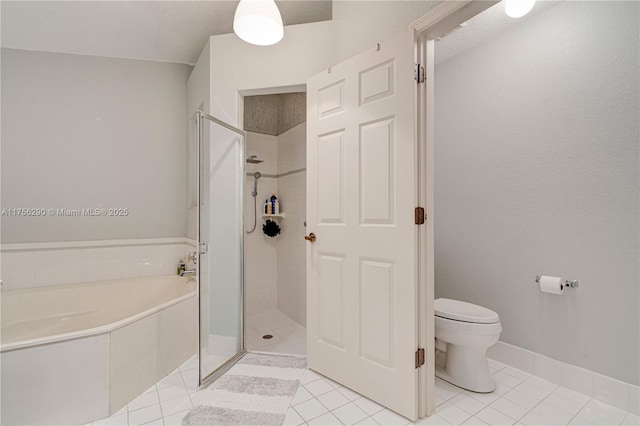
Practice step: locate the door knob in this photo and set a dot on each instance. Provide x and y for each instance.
(311, 237)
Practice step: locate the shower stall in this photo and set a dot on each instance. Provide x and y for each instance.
(220, 158)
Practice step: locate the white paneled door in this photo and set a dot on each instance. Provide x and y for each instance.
(361, 195)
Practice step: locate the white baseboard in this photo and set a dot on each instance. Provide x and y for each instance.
(602, 388)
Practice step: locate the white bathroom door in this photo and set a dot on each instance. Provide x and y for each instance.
(361, 194)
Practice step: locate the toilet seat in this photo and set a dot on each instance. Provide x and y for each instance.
(465, 312)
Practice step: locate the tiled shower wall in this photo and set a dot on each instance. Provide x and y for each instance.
(46, 264)
(260, 251)
(275, 267)
(291, 283)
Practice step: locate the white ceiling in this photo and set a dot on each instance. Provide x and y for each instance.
(481, 28)
(176, 31)
(173, 31)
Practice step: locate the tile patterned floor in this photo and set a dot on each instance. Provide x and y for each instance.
(519, 398)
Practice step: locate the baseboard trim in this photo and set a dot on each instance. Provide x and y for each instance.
(619, 394)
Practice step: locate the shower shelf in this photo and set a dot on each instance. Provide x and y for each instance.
(279, 215)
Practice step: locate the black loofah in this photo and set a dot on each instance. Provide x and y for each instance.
(270, 228)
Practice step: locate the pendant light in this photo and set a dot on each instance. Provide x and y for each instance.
(518, 8)
(258, 22)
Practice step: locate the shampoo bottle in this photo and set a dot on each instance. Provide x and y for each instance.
(274, 200)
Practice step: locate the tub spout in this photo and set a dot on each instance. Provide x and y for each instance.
(191, 272)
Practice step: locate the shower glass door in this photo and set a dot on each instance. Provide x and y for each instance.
(220, 239)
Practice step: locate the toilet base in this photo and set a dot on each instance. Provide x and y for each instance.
(467, 369)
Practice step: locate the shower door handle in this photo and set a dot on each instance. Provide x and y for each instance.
(311, 237)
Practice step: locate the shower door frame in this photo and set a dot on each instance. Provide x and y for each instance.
(201, 248)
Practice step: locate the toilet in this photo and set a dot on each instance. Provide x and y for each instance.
(464, 332)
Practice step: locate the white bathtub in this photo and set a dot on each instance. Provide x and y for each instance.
(76, 353)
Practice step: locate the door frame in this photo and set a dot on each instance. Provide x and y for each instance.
(436, 23)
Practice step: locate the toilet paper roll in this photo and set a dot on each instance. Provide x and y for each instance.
(551, 285)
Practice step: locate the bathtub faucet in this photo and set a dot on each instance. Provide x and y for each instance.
(191, 272)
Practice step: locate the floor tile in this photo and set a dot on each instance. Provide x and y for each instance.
(367, 422)
(485, 398)
(534, 419)
(157, 422)
(509, 408)
(146, 399)
(144, 415)
(434, 420)
(578, 420)
(368, 406)
(467, 403)
(501, 388)
(326, 419)
(115, 420)
(175, 405)
(173, 379)
(310, 409)
(473, 421)
(506, 379)
(553, 413)
(292, 418)
(350, 414)
(389, 418)
(175, 419)
(631, 419)
(566, 403)
(518, 374)
(446, 391)
(318, 387)
(201, 397)
(521, 399)
(495, 364)
(301, 395)
(349, 394)
(530, 389)
(309, 376)
(452, 414)
(601, 414)
(333, 400)
(494, 417)
(171, 392)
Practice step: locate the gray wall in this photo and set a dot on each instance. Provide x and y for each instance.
(537, 173)
(89, 132)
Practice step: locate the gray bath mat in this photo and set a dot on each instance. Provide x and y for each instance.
(255, 391)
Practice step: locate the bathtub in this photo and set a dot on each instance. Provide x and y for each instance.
(76, 353)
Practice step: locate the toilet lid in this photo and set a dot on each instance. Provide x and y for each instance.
(463, 311)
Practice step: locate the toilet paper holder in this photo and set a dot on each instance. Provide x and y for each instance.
(565, 283)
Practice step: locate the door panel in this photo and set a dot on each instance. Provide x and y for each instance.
(361, 193)
(220, 230)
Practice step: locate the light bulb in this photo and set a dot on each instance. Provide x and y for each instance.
(518, 8)
(258, 22)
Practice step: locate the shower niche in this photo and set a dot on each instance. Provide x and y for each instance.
(275, 268)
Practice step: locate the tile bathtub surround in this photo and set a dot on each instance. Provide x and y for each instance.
(624, 396)
(529, 400)
(46, 264)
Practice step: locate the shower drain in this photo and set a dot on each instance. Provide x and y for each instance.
(267, 336)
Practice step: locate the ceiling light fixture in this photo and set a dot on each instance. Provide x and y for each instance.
(258, 22)
(518, 8)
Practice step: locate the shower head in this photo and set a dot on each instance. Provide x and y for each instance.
(253, 159)
(256, 176)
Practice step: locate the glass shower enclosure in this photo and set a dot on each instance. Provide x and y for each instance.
(220, 163)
